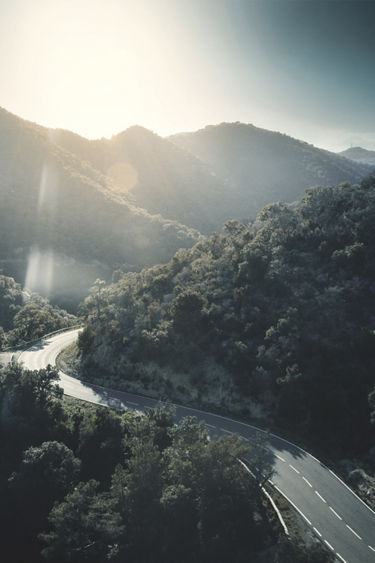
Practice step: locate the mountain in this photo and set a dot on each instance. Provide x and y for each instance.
(62, 223)
(155, 174)
(262, 166)
(270, 321)
(360, 155)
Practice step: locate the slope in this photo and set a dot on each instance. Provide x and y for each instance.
(57, 209)
(155, 174)
(264, 166)
(360, 155)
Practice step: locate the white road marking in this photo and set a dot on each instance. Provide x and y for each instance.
(317, 531)
(306, 481)
(210, 425)
(243, 438)
(335, 513)
(294, 506)
(353, 532)
(329, 545)
(270, 481)
(294, 469)
(131, 403)
(280, 458)
(372, 549)
(148, 407)
(227, 431)
(339, 556)
(320, 496)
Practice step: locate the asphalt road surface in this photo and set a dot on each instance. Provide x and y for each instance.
(336, 515)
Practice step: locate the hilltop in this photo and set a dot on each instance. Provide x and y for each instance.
(62, 219)
(360, 155)
(263, 166)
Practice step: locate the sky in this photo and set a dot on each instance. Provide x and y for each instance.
(96, 67)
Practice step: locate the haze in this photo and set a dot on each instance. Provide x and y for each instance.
(95, 67)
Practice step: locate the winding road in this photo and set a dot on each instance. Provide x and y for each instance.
(336, 515)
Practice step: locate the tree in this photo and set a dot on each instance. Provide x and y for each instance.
(84, 527)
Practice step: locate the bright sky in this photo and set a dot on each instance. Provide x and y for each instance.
(96, 67)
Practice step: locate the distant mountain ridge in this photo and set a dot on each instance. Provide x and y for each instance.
(157, 175)
(263, 166)
(74, 209)
(360, 155)
(63, 219)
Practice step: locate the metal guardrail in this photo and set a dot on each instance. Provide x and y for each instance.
(30, 342)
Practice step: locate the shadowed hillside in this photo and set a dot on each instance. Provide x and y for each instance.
(360, 155)
(155, 174)
(60, 217)
(263, 166)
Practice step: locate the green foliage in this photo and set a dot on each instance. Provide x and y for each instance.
(271, 320)
(26, 317)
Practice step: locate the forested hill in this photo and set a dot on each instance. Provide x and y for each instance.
(52, 202)
(263, 166)
(157, 175)
(273, 322)
(360, 155)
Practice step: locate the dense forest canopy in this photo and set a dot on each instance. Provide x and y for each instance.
(81, 483)
(272, 320)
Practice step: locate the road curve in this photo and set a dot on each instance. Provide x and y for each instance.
(336, 515)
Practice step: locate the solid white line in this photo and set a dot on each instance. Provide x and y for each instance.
(335, 513)
(294, 469)
(320, 496)
(349, 489)
(227, 431)
(148, 407)
(294, 506)
(280, 458)
(329, 545)
(306, 481)
(243, 438)
(270, 481)
(317, 531)
(372, 549)
(339, 556)
(210, 425)
(353, 532)
(131, 403)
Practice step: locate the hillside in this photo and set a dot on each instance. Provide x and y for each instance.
(263, 166)
(155, 174)
(360, 155)
(272, 323)
(62, 223)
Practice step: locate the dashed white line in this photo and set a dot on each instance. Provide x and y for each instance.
(353, 532)
(306, 481)
(227, 431)
(294, 469)
(210, 425)
(320, 496)
(339, 556)
(272, 483)
(243, 438)
(317, 531)
(335, 513)
(329, 545)
(280, 458)
(370, 547)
